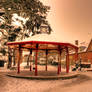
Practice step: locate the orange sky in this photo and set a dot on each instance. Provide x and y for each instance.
(71, 19)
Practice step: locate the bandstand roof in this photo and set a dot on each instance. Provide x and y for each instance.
(44, 42)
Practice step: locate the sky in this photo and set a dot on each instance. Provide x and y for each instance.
(71, 19)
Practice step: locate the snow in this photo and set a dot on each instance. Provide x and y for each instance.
(42, 37)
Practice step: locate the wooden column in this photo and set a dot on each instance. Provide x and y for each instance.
(36, 60)
(67, 60)
(14, 63)
(19, 58)
(46, 58)
(30, 59)
(59, 60)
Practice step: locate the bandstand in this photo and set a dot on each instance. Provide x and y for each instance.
(45, 44)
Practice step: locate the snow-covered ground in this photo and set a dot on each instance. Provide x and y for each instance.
(80, 84)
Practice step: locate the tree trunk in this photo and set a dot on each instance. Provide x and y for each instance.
(9, 58)
(28, 60)
(14, 63)
(9, 61)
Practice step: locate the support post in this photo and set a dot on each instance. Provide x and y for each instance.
(46, 58)
(67, 60)
(30, 59)
(14, 63)
(36, 60)
(59, 60)
(19, 58)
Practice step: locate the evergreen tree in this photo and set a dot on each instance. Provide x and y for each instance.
(32, 10)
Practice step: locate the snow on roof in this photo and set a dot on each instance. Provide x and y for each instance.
(86, 45)
(42, 37)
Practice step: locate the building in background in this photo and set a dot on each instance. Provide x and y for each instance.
(85, 54)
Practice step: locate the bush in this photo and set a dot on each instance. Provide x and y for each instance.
(26, 67)
(13, 68)
(2, 63)
(55, 63)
